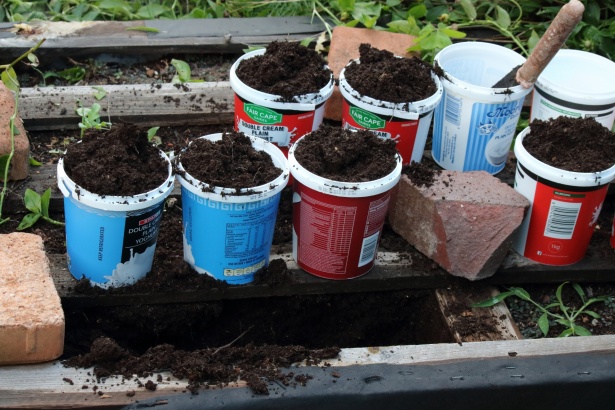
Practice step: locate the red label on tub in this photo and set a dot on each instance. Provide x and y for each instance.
(613, 234)
(402, 131)
(561, 224)
(282, 127)
(337, 237)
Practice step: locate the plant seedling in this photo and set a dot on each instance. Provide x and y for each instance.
(90, 118)
(38, 205)
(152, 137)
(183, 73)
(558, 311)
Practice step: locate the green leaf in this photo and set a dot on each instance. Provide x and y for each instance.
(100, 93)
(45, 198)
(580, 291)
(521, 293)
(452, 33)
(393, 3)
(151, 11)
(493, 301)
(543, 324)
(32, 161)
(592, 314)
(566, 333)
(418, 11)
(151, 133)
(564, 322)
(9, 78)
(469, 9)
(4, 162)
(581, 331)
(33, 59)
(532, 41)
(502, 17)
(558, 295)
(306, 41)
(182, 68)
(28, 221)
(143, 28)
(32, 201)
(368, 22)
(346, 5)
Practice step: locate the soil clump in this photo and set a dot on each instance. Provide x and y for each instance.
(346, 156)
(383, 76)
(287, 69)
(231, 162)
(421, 174)
(120, 161)
(571, 144)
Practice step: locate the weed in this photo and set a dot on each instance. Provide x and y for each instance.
(557, 311)
(184, 73)
(90, 118)
(38, 205)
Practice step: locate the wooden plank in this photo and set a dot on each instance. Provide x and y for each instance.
(51, 108)
(43, 385)
(229, 35)
(494, 323)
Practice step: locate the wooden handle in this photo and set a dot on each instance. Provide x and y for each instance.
(550, 43)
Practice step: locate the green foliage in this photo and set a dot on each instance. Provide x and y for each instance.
(38, 205)
(90, 118)
(152, 137)
(557, 311)
(184, 73)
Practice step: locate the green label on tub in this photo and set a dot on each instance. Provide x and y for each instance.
(366, 119)
(261, 114)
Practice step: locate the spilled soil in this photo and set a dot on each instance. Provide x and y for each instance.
(231, 162)
(571, 144)
(382, 76)
(343, 155)
(287, 69)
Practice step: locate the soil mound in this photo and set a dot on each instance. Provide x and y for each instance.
(571, 144)
(383, 76)
(119, 161)
(346, 156)
(231, 162)
(286, 69)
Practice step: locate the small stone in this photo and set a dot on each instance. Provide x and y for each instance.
(464, 221)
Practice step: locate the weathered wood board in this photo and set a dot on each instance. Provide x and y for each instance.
(228, 35)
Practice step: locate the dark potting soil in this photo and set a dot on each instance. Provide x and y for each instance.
(383, 76)
(571, 144)
(421, 174)
(231, 162)
(287, 69)
(509, 80)
(120, 161)
(346, 156)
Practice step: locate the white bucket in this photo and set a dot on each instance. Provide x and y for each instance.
(475, 124)
(564, 208)
(111, 240)
(337, 225)
(263, 115)
(226, 235)
(405, 123)
(576, 84)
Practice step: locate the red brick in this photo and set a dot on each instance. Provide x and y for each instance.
(20, 165)
(31, 316)
(345, 47)
(464, 222)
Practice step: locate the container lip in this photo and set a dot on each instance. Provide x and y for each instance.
(115, 202)
(339, 188)
(304, 102)
(407, 110)
(574, 179)
(477, 89)
(601, 96)
(222, 194)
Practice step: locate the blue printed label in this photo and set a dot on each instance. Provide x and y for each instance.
(473, 136)
(229, 241)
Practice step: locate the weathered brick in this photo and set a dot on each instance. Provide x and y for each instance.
(464, 221)
(31, 316)
(345, 47)
(20, 165)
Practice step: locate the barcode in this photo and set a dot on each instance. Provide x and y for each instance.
(368, 251)
(453, 110)
(561, 219)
